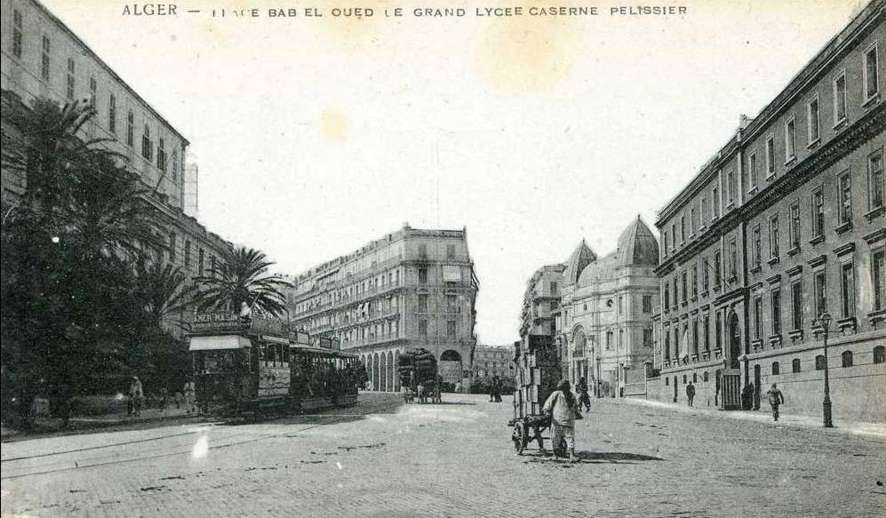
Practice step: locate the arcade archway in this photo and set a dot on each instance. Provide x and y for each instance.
(450, 366)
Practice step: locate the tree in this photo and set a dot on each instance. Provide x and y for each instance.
(70, 308)
(242, 278)
(163, 289)
(109, 214)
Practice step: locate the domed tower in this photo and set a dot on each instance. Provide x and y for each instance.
(637, 246)
(580, 258)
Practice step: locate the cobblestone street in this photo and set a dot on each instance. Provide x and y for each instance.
(382, 458)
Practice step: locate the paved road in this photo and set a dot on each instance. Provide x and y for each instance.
(385, 459)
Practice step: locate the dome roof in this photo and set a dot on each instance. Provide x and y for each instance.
(602, 269)
(580, 258)
(637, 246)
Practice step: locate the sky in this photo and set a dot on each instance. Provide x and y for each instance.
(314, 136)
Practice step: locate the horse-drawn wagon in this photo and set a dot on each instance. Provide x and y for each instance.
(418, 376)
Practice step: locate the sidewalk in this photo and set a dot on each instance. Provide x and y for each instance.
(761, 416)
(49, 425)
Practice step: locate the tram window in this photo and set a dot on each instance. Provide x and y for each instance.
(211, 363)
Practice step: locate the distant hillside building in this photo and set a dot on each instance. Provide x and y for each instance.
(410, 289)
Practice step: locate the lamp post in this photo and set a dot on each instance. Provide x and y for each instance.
(824, 321)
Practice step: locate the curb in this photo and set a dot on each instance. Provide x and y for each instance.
(796, 421)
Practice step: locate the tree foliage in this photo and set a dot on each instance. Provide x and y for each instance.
(242, 277)
(73, 307)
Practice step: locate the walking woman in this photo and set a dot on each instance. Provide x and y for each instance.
(563, 409)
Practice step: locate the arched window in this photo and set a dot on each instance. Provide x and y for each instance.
(705, 377)
(819, 362)
(879, 354)
(667, 381)
(847, 358)
(776, 369)
(795, 365)
(694, 378)
(684, 379)
(578, 340)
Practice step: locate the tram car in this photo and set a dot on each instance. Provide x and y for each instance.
(254, 366)
(537, 374)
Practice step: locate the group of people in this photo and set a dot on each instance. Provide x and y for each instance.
(188, 397)
(424, 390)
(495, 386)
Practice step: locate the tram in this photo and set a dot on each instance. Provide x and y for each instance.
(254, 366)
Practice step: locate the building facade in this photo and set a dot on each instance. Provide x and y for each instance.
(410, 289)
(784, 224)
(43, 58)
(494, 360)
(604, 326)
(541, 300)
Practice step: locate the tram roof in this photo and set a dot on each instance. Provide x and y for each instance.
(218, 342)
(319, 350)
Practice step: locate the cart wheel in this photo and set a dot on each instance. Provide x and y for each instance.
(519, 438)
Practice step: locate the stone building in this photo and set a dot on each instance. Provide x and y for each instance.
(42, 57)
(494, 360)
(604, 326)
(410, 289)
(786, 222)
(541, 300)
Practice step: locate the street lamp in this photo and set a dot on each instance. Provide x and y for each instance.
(824, 321)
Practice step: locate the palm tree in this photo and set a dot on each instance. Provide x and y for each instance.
(164, 290)
(242, 277)
(48, 149)
(67, 285)
(109, 213)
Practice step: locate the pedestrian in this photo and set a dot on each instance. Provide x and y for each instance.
(562, 407)
(776, 398)
(164, 399)
(747, 397)
(190, 390)
(136, 395)
(421, 393)
(583, 397)
(496, 387)
(492, 383)
(458, 387)
(690, 392)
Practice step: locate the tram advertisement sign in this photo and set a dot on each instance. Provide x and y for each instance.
(217, 322)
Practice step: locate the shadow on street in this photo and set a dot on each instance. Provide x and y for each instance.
(592, 457)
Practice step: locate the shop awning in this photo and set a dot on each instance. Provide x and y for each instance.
(212, 343)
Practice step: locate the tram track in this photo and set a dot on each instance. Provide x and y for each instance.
(91, 448)
(79, 465)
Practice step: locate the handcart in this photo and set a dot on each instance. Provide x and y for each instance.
(537, 374)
